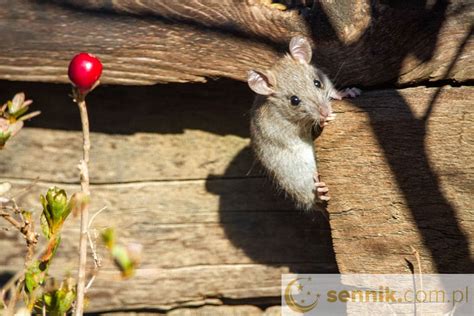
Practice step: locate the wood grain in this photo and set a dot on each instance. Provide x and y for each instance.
(215, 235)
(199, 244)
(363, 43)
(166, 132)
(400, 180)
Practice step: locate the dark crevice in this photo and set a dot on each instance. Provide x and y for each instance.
(118, 183)
(422, 84)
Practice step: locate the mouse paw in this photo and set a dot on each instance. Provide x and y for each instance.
(347, 93)
(321, 189)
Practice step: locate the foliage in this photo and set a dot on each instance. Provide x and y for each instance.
(12, 115)
(126, 258)
(41, 293)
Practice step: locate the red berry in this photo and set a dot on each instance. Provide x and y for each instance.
(84, 71)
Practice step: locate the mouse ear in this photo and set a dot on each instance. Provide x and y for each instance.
(260, 83)
(300, 49)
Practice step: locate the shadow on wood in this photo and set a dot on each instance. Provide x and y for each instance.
(403, 143)
(278, 236)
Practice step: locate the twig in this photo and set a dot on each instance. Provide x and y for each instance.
(96, 214)
(25, 227)
(84, 172)
(95, 256)
(19, 275)
(9, 218)
(418, 261)
(11, 305)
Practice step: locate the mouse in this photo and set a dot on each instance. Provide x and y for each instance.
(293, 99)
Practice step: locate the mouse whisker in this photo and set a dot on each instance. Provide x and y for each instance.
(337, 74)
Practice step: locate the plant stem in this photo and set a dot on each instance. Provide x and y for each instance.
(25, 227)
(83, 167)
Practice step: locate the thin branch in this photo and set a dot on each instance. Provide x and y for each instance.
(95, 256)
(19, 276)
(25, 227)
(89, 284)
(97, 262)
(95, 215)
(9, 218)
(418, 261)
(15, 296)
(84, 172)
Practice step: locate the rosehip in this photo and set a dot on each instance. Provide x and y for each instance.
(84, 71)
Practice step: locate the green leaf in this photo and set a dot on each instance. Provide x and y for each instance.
(46, 214)
(18, 106)
(65, 300)
(19, 113)
(122, 260)
(56, 209)
(33, 277)
(57, 200)
(108, 237)
(45, 226)
(48, 299)
(4, 136)
(27, 215)
(50, 251)
(59, 301)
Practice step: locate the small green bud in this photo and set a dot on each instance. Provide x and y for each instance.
(56, 209)
(108, 237)
(18, 106)
(122, 260)
(34, 277)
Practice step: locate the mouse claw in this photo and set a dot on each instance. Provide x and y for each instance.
(331, 117)
(347, 93)
(321, 188)
(328, 120)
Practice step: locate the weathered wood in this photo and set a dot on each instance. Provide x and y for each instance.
(167, 132)
(214, 235)
(198, 221)
(224, 310)
(199, 240)
(365, 43)
(399, 180)
(252, 17)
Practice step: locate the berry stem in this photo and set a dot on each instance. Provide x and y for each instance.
(84, 175)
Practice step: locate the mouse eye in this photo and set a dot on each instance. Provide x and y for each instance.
(295, 100)
(317, 84)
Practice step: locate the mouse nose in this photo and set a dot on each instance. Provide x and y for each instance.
(324, 111)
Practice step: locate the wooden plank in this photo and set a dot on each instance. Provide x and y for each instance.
(144, 51)
(199, 239)
(396, 181)
(362, 43)
(223, 310)
(399, 180)
(139, 134)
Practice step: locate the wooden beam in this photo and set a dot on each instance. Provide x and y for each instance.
(363, 43)
(212, 233)
(198, 238)
(399, 166)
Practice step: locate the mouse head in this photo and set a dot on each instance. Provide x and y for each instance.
(295, 88)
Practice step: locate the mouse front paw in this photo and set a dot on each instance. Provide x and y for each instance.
(347, 93)
(320, 189)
